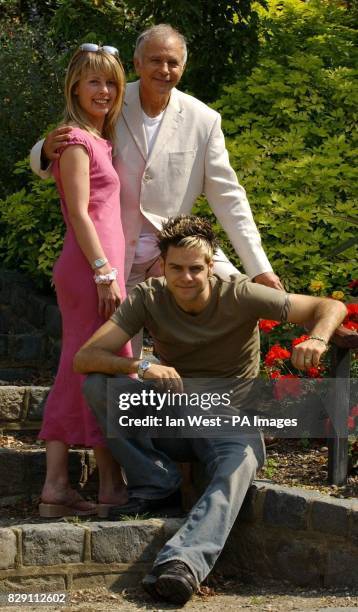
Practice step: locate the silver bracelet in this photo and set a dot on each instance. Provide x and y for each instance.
(319, 339)
(105, 279)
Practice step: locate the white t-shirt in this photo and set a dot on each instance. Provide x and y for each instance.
(147, 243)
(151, 128)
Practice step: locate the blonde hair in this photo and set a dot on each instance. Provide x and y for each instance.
(81, 64)
(188, 231)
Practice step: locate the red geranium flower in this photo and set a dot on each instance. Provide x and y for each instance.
(299, 340)
(266, 325)
(351, 422)
(315, 372)
(289, 384)
(276, 353)
(351, 325)
(275, 374)
(351, 320)
(352, 309)
(354, 411)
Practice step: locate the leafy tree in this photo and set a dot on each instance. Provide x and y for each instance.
(290, 129)
(290, 133)
(102, 21)
(36, 39)
(222, 38)
(27, 9)
(30, 92)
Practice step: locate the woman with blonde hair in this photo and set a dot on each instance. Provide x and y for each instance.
(88, 275)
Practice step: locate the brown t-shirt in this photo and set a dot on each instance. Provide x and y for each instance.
(221, 341)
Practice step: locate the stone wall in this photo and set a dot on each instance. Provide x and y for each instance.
(59, 556)
(288, 534)
(21, 407)
(30, 328)
(296, 535)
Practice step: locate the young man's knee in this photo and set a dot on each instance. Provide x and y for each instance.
(94, 389)
(241, 461)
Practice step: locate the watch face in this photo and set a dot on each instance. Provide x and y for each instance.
(98, 263)
(145, 365)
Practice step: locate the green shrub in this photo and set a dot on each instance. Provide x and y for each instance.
(36, 40)
(222, 38)
(102, 21)
(31, 227)
(290, 133)
(30, 92)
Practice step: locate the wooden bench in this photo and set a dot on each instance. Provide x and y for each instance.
(340, 369)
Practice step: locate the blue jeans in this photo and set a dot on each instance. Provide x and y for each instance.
(149, 464)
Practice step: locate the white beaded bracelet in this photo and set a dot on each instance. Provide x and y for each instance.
(105, 279)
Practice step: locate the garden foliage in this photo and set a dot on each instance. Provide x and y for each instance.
(31, 227)
(222, 38)
(30, 91)
(37, 38)
(289, 125)
(290, 129)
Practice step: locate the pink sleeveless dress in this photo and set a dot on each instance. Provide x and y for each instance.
(67, 417)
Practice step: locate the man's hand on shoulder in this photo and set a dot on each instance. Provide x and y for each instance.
(165, 376)
(270, 279)
(54, 141)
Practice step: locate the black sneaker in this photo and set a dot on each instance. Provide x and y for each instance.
(172, 581)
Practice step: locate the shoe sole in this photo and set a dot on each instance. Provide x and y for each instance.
(149, 585)
(61, 510)
(174, 589)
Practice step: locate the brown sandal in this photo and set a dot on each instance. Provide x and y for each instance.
(103, 509)
(75, 506)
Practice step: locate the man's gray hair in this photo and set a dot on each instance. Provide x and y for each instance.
(162, 30)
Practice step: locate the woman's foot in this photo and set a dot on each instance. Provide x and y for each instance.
(114, 498)
(64, 501)
(106, 501)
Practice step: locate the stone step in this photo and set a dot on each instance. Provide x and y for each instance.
(20, 375)
(11, 323)
(18, 293)
(21, 407)
(25, 350)
(30, 329)
(22, 472)
(296, 535)
(60, 555)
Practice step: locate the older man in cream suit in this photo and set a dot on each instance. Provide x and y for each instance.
(171, 149)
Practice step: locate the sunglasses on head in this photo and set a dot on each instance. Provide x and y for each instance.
(94, 48)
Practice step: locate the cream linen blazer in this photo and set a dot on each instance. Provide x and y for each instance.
(188, 158)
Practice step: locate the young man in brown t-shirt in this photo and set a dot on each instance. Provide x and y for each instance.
(202, 327)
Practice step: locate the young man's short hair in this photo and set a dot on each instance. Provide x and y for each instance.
(188, 231)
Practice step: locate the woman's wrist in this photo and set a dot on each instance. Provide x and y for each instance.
(99, 263)
(107, 278)
(106, 269)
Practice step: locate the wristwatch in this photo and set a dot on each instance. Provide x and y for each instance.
(143, 366)
(98, 263)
